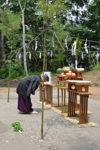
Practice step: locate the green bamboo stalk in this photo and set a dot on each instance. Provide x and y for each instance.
(43, 92)
(42, 116)
(8, 91)
(9, 75)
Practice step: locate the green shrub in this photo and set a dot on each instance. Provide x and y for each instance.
(4, 72)
(97, 67)
(16, 71)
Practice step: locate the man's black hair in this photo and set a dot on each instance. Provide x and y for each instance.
(46, 77)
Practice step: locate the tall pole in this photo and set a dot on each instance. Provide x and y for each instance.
(43, 90)
(23, 27)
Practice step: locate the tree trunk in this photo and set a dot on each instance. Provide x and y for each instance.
(2, 44)
(24, 48)
(2, 47)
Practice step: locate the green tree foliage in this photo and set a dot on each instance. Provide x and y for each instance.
(9, 25)
(76, 16)
(52, 15)
(93, 22)
(80, 2)
(78, 46)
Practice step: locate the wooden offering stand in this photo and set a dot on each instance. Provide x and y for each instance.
(65, 71)
(61, 78)
(67, 75)
(80, 88)
(48, 93)
(78, 73)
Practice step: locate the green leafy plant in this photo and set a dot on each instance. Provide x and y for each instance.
(78, 46)
(16, 71)
(96, 67)
(59, 70)
(4, 72)
(17, 127)
(59, 85)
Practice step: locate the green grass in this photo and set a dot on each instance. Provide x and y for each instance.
(97, 67)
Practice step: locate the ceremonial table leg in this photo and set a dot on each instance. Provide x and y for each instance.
(83, 109)
(71, 103)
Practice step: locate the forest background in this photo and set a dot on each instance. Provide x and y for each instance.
(44, 35)
(37, 31)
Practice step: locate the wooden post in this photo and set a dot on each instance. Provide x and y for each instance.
(42, 116)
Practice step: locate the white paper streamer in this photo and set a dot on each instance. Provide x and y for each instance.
(72, 51)
(51, 54)
(30, 55)
(7, 2)
(82, 56)
(76, 62)
(19, 56)
(97, 55)
(74, 47)
(85, 46)
(66, 43)
(35, 44)
(40, 55)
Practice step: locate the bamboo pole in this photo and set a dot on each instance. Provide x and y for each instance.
(42, 116)
(8, 91)
(8, 97)
(89, 51)
(43, 92)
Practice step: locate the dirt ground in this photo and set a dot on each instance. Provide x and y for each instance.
(93, 76)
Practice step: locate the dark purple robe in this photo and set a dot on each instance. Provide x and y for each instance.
(24, 106)
(25, 88)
